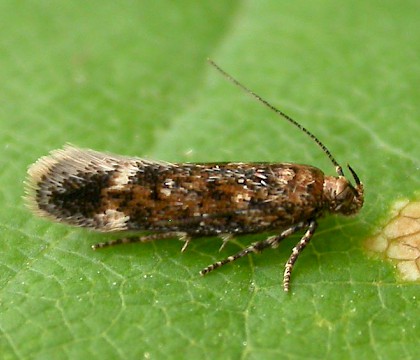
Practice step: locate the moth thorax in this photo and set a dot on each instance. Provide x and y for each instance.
(341, 196)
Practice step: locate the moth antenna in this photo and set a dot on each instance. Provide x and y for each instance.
(338, 168)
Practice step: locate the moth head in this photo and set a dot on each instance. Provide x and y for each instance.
(341, 196)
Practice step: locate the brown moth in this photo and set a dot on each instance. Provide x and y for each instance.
(111, 193)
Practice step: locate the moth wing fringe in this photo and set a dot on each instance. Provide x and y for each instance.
(62, 164)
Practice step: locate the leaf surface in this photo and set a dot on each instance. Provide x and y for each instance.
(131, 78)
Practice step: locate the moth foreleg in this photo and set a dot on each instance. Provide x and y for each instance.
(272, 241)
(143, 239)
(296, 251)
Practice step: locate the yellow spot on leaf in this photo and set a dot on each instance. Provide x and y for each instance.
(399, 239)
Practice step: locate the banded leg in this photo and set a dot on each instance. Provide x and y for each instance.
(272, 241)
(143, 239)
(295, 253)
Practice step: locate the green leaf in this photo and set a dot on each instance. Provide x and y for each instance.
(131, 78)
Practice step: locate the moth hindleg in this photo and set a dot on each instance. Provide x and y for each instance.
(143, 239)
(225, 238)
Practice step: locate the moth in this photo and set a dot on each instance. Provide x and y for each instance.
(160, 200)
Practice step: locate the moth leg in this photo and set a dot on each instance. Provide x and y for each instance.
(295, 253)
(272, 241)
(142, 239)
(187, 239)
(225, 238)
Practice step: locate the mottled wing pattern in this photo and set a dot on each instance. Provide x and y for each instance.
(115, 193)
(219, 198)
